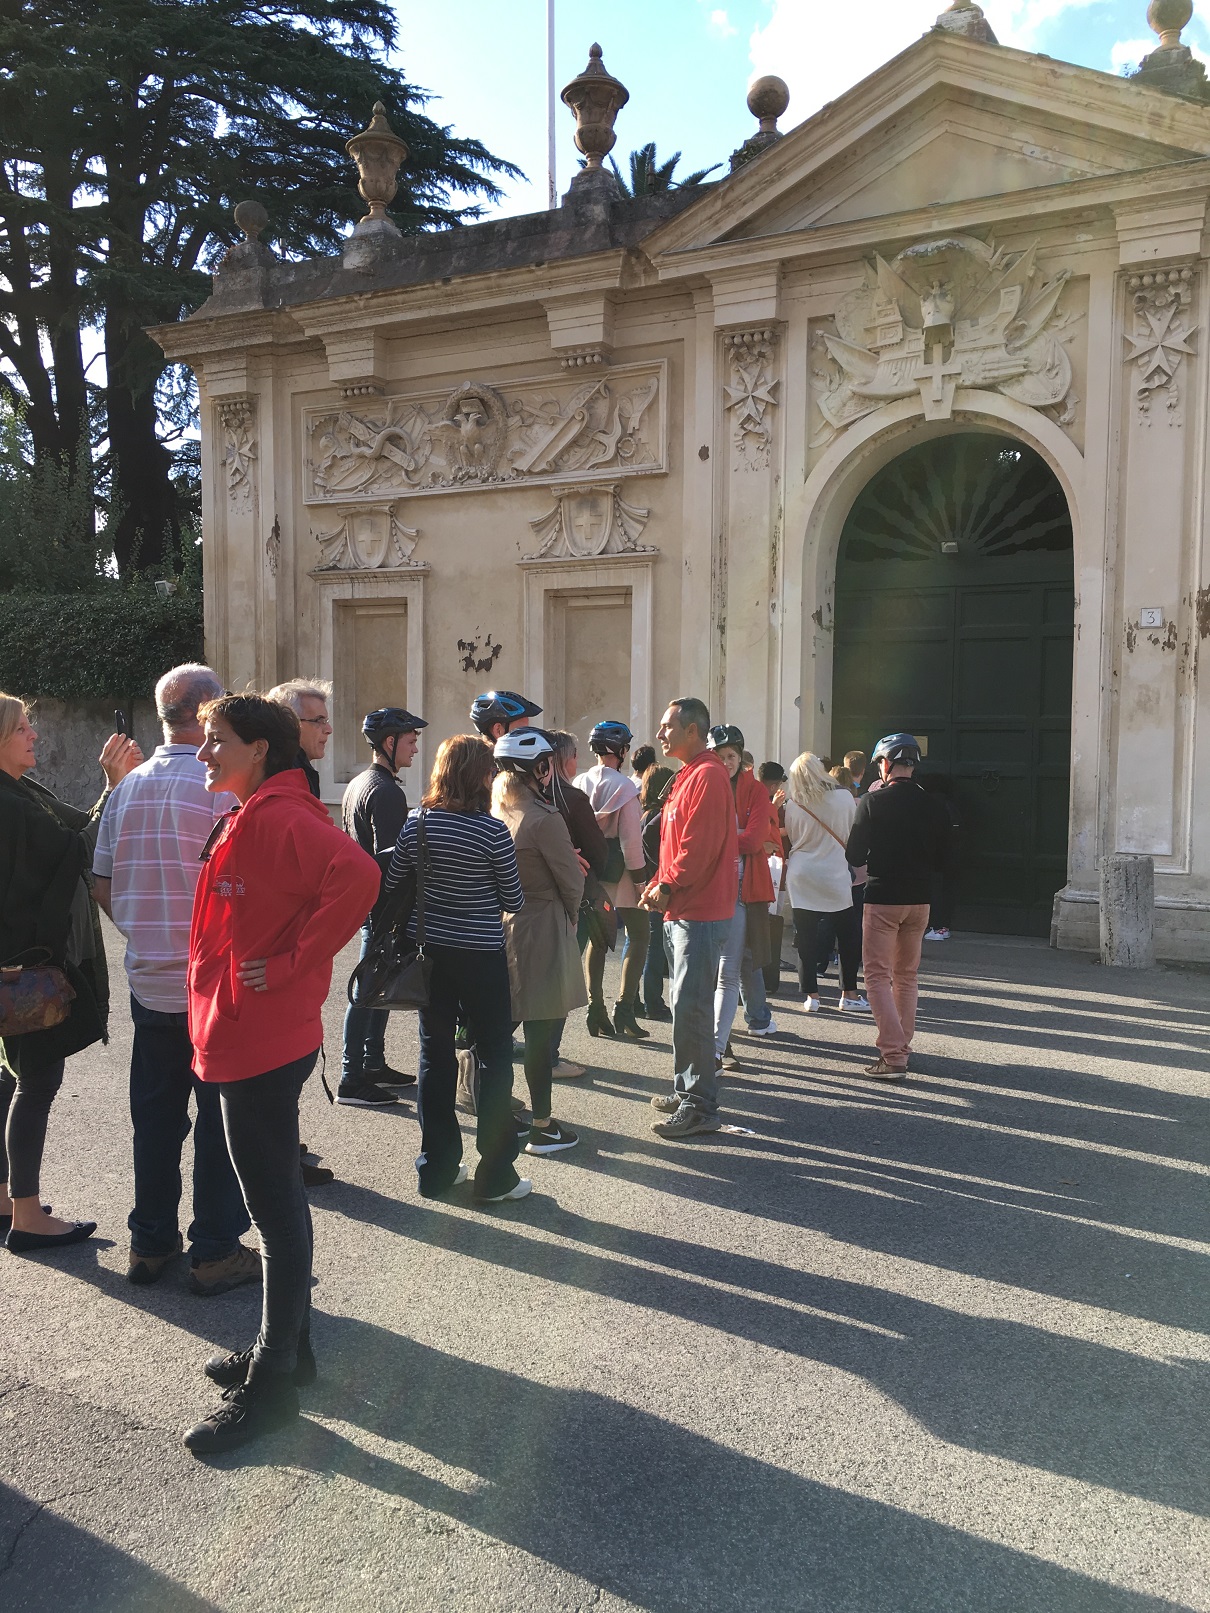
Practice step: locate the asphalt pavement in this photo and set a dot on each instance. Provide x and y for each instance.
(934, 1347)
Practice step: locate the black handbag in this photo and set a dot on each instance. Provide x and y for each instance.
(598, 919)
(395, 973)
(615, 862)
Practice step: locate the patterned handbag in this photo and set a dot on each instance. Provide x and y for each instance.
(34, 996)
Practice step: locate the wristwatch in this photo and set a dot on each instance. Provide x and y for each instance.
(665, 887)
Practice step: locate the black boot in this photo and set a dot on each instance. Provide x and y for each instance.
(228, 1370)
(598, 1020)
(625, 1024)
(264, 1401)
(657, 1010)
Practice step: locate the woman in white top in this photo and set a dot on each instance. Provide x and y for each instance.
(819, 814)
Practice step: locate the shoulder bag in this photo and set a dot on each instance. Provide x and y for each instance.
(395, 973)
(35, 993)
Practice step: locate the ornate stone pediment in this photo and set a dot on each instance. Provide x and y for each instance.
(588, 522)
(366, 538)
(479, 435)
(943, 314)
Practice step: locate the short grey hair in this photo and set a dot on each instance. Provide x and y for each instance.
(294, 691)
(182, 690)
(565, 745)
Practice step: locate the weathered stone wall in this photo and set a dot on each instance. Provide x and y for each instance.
(70, 736)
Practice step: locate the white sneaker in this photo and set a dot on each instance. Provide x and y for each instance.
(522, 1190)
(565, 1070)
(853, 1005)
(937, 935)
(810, 1005)
(763, 1030)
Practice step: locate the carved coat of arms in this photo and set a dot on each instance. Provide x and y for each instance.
(587, 522)
(943, 314)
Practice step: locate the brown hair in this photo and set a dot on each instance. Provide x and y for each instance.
(842, 776)
(654, 786)
(461, 779)
(253, 717)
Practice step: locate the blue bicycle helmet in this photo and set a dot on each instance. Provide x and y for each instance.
(897, 748)
(500, 705)
(610, 739)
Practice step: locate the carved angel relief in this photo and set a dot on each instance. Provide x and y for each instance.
(368, 538)
(587, 522)
(480, 435)
(944, 314)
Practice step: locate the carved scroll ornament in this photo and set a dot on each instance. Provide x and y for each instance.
(1160, 338)
(944, 314)
(752, 393)
(237, 435)
(366, 538)
(480, 435)
(588, 522)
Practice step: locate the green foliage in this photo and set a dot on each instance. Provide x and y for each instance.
(48, 538)
(115, 641)
(650, 177)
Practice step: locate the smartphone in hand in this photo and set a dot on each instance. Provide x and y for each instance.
(119, 721)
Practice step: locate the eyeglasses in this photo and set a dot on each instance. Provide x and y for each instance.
(320, 722)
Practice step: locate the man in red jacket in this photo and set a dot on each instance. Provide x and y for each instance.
(694, 889)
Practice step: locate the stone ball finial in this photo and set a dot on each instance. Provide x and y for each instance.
(966, 18)
(252, 219)
(1166, 18)
(768, 98)
(596, 98)
(378, 152)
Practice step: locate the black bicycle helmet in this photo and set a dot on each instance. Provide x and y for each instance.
(726, 734)
(379, 726)
(500, 705)
(610, 739)
(897, 748)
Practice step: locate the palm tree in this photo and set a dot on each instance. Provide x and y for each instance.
(650, 177)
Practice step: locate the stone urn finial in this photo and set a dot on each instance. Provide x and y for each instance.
(596, 98)
(250, 253)
(1166, 18)
(252, 219)
(1172, 66)
(966, 18)
(378, 152)
(768, 98)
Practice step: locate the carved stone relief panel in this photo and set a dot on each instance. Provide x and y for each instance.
(1159, 340)
(366, 537)
(237, 435)
(569, 427)
(588, 522)
(944, 314)
(751, 393)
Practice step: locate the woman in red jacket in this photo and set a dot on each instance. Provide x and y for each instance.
(745, 950)
(281, 891)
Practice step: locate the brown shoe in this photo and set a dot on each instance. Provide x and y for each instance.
(146, 1269)
(217, 1276)
(316, 1175)
(882, 1071)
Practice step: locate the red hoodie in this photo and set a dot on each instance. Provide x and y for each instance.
(281, 882)
(757, 824)
(699, 853)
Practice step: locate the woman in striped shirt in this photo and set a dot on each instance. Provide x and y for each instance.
(470, 877)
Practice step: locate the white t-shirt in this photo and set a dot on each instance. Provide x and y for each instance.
(817, 877)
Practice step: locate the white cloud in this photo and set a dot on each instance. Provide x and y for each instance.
(1130, 52)
(817, 50)
(721, 25)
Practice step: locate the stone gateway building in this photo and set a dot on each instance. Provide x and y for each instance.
(902, 425)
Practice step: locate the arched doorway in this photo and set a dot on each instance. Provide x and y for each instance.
(954, 619)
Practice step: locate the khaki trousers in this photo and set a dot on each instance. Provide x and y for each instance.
(891, 940)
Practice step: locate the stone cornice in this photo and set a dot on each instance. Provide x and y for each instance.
(194, 339)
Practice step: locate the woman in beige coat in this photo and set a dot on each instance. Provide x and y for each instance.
(545, 976)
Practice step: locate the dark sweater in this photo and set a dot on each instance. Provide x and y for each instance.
(582, 825)
(902, 836)
(374, 810)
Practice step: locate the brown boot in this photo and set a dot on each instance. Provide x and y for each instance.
(217, 1276)
(146, 1269)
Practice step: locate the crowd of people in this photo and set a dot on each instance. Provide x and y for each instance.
(514, 876)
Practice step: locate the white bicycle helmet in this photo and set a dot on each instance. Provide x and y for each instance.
(520, 750)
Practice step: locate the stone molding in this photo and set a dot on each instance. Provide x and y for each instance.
(588, 523)
(480, 435)
(1160, 300)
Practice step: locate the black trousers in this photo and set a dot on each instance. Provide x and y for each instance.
(25, 1102)
(260, 1118)
(472, 985)
(806, 939)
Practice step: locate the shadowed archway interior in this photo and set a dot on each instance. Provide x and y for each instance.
(954, 621)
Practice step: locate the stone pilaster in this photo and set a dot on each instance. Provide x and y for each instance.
(237, 505)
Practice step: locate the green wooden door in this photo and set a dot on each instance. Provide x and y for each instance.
(954, 613)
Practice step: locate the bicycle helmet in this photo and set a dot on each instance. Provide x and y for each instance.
(726, 734)
(381, 725)
(897, 748)
(610, 739)
(500, 705)
(521, 750)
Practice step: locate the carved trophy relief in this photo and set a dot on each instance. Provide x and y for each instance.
(588, 522)
(366, 538)
(237, 434)
(751, 393)
(1161, 336)
(944, 314)
(478, 435)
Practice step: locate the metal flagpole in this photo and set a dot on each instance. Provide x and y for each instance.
(551, 197)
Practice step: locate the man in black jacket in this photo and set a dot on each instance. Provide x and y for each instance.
(374, 810)
(900, 833)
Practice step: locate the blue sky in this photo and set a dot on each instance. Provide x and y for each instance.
(687, 63)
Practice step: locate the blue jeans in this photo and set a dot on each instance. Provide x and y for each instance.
(260, 1116)
(655, 968)
(365, 1034)
(161, 1080)
(694, 947)
(738, 978)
